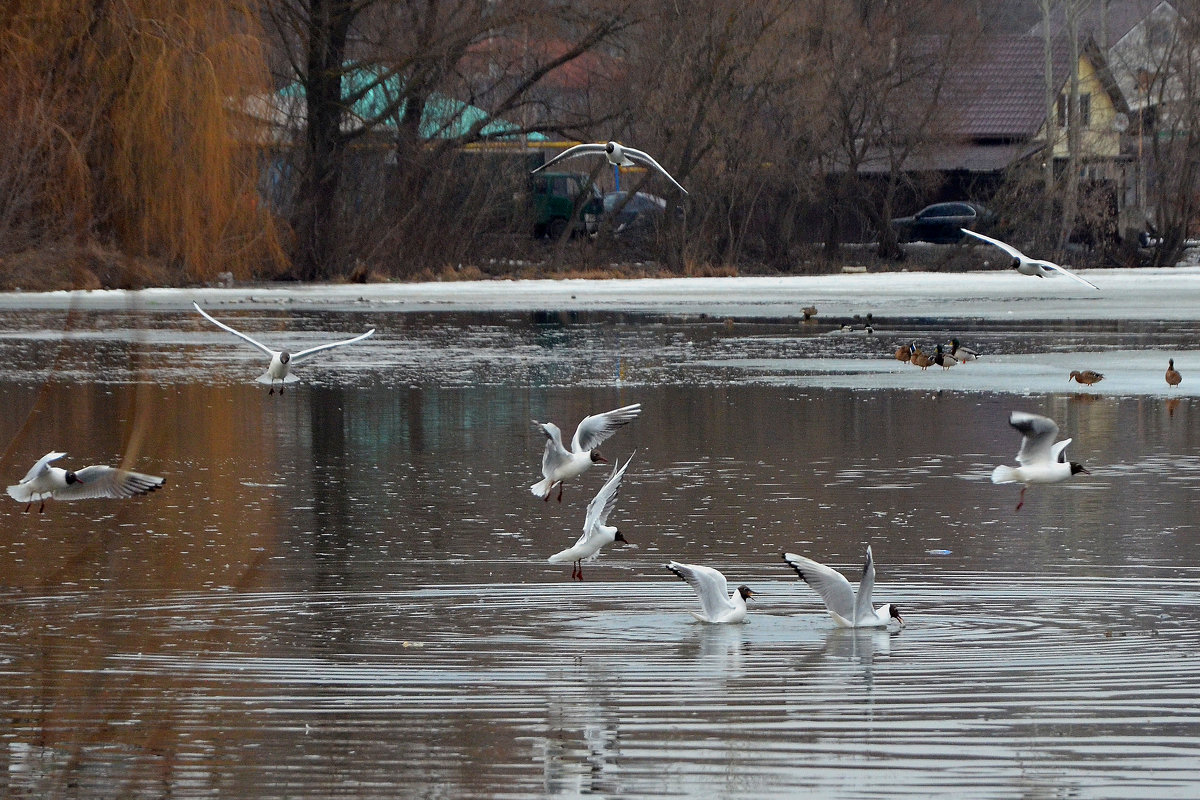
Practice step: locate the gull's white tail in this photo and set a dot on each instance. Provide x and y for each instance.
(541, 488)
(1004, 474)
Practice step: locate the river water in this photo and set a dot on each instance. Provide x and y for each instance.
(343, 591)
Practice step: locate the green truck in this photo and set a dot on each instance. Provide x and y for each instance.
(557, 198)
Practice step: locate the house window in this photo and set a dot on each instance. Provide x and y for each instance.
(1085, 110)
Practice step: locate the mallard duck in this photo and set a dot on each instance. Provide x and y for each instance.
(919, 359)
(1087, 377)
(943, 359)
(903, 353)
(1173, 377)
(960, 353)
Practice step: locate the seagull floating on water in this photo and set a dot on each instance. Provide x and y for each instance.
(560, 464)
(715, 605)
(1042, 460)
(44, 482)
(1029, 266)
(596, 532)
(617, 154)
(281, 360)
(848, 609)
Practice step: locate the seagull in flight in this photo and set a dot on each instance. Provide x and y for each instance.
(849, 610)
(1026, 265)
(1042, 460)
(44, 482)
(596, 532)
(617, 154)
(560, 464)
(715, 605)
(281, 360)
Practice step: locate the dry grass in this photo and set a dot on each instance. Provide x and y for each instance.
(89, 267)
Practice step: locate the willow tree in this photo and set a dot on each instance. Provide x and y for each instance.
(122, 125)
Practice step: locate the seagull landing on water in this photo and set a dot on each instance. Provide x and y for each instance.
(560, 464)
(45, 482)
(617, 154)
(281, 360)
(849, 610)
(1041, 459)
(715, 605)
(596, 532)
(1029, 266)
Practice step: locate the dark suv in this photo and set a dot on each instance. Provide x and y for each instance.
(941, 222)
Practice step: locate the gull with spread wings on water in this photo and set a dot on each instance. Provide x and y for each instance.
(716, 606)
(44, 482)
(848, 609)
(596, 531)
(560, 464)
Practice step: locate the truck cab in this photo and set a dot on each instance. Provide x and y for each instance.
(553, 196)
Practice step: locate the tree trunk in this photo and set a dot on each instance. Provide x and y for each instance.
(316, 222)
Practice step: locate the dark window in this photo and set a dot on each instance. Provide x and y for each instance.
(1085, 111)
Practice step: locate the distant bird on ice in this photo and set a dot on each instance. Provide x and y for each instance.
(1029, 266)
(596, 532)
(848, 609)
(716, 605)
(44, 482)
(1087, 377)
(281, 360)
(617, 154)
(560, 464)
(1173, 377)
(1042, 460)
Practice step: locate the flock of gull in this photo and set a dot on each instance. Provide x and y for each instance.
(1040, 459)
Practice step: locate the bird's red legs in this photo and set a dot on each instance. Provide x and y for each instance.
(1022, 500)
(560, 488)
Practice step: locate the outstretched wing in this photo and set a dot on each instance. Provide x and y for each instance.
(94, 482)
(709, 584)
(41, 465)
(593, 430)
(833, 587)
(1037, 437)
(236, 333)
(645, 158)
(571, 152)
(862, 600)
(1008, 248)
(1068, 273)
(303, 354)
(606, 499)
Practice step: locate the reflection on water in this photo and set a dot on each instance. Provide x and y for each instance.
(343, 592)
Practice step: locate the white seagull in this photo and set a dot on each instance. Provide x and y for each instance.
(1041, 459)
(596, 532)
(1026, 265)
(710, 585)
(617, 154)
(45, 482)
(849, 610)
(560, 464)
(281, 360)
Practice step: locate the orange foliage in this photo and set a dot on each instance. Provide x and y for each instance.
(122, 128)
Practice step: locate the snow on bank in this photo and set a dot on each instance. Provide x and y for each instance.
(1134, 294)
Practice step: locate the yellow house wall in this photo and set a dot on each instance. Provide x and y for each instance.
(1099, 139)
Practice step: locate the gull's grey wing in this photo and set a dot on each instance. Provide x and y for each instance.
(1037, 434)
(235, 332)
(41, 466)
(99, 481)
(555, 454)
(571, 152)
(1068, 273)
(1008, 248)
(709, 584)
(646, 158)
(862, 600)
(833, 587)
(310, 351)
(606, 499)
(1058, 451)
(593, 430)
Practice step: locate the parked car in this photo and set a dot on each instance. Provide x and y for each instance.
(941, 222)
(636, 215)
(553, 195)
